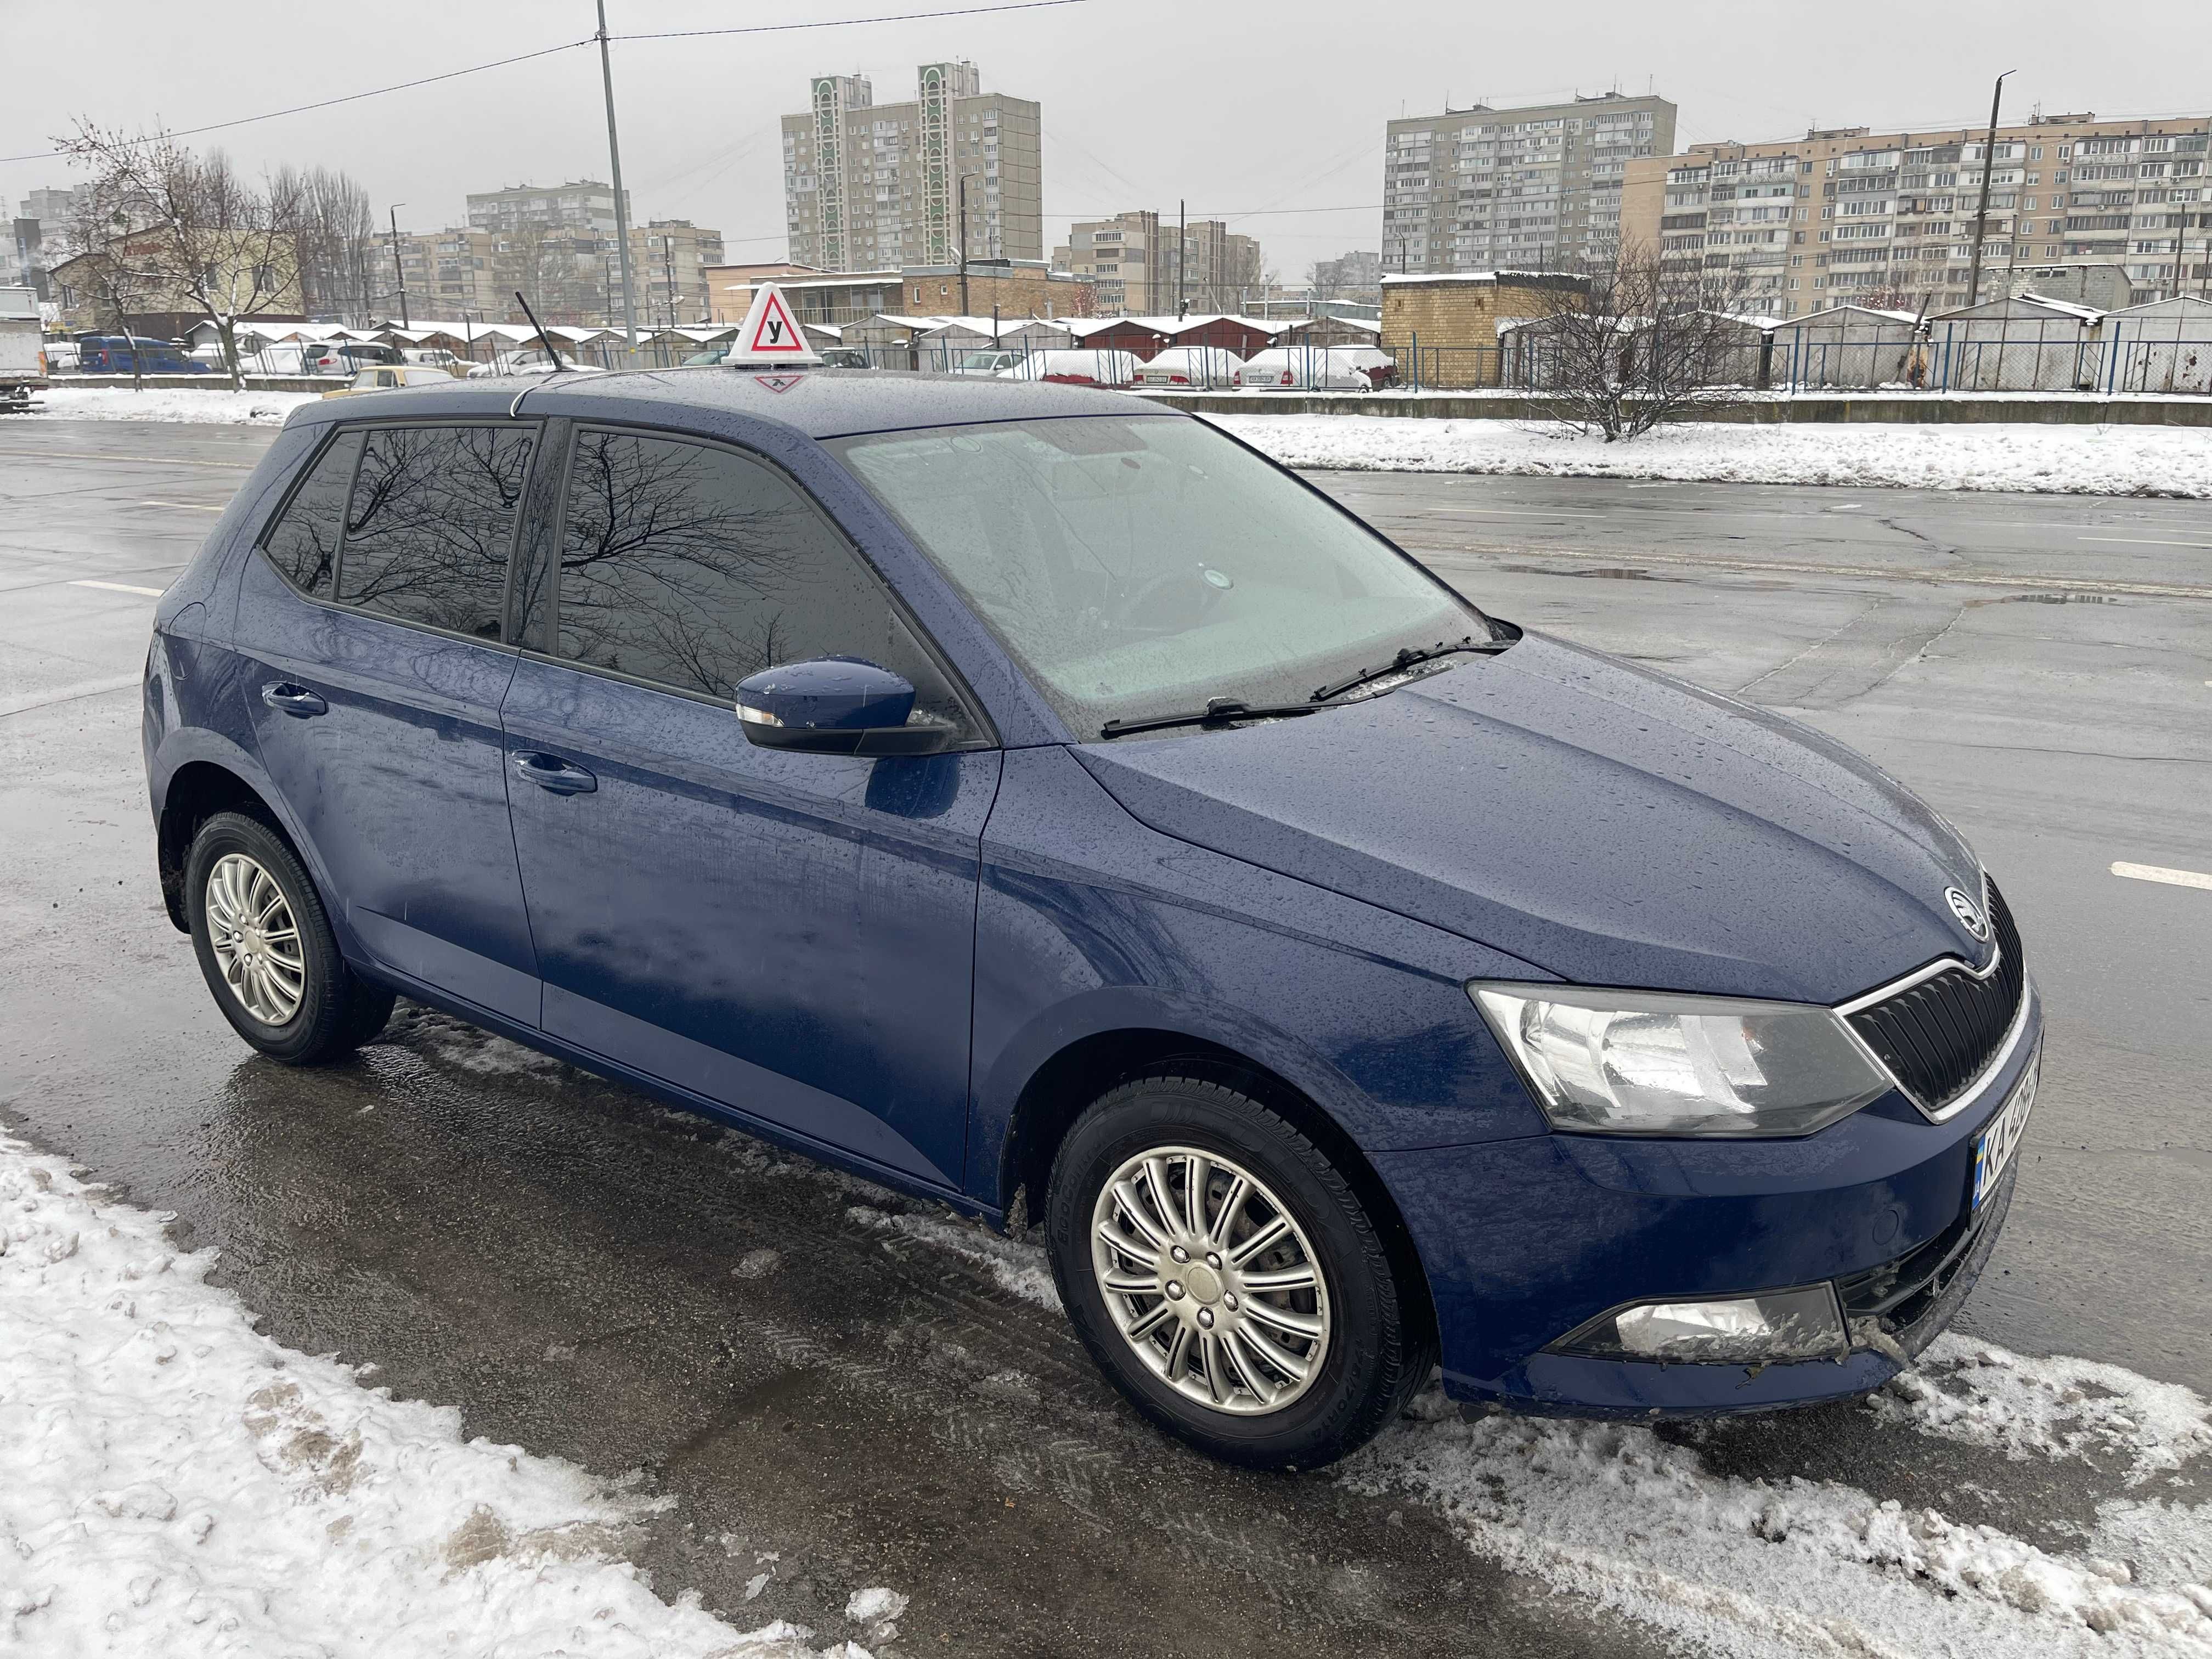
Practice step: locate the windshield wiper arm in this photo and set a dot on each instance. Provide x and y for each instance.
(1218, 711)
(1407, 659)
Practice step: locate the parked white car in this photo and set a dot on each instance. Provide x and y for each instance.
(1317, 368)
(992, 361)
(532, 362)
(431, 356)
(382, 377)
(1188, 367)
(1076, 367)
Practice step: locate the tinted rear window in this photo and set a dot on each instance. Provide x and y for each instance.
(432, 520)
(303, 545)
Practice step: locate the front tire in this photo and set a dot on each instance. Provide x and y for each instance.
(1226, 1276)
(266, 949)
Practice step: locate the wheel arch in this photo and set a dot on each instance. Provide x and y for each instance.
(1066, 1083)
(197, 791)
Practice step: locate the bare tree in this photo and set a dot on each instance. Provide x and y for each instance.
(98, 226)
(1639, 341)
(333, 234)
(199, 234)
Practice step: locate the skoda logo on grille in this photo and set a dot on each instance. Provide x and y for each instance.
(1968, 913)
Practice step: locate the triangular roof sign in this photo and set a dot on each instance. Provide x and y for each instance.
(770, 334)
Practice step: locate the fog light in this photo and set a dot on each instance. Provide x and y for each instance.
(1737, 1330)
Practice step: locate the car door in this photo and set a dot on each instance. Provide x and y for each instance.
(789, 935)
(372, 624)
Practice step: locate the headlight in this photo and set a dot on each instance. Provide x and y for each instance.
(1637, 1063)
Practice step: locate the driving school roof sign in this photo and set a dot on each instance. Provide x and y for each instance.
(770, 334)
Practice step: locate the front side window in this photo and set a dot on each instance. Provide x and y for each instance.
(303, 544)
(1142, 565)
(430, 524)
(695, 567)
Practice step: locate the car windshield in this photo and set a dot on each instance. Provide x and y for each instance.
(984, 359)
(1139, 566)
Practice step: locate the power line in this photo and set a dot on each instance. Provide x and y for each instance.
(570, 45)
(327, 103)
(844, 22)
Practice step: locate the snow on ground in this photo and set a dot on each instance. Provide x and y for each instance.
(2089, 460)
(1768, 1569)
(173, 1482)
(80, 403)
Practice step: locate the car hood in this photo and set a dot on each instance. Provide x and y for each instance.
(1606, 824)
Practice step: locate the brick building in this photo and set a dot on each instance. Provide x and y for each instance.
(1454, 318)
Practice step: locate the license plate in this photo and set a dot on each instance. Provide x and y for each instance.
(1994, 1148)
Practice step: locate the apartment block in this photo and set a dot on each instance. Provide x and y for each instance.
(582, 205)
(669, 259)
(1888, 219)
(1355, 276)
(956, 171)
(1535, 187)
(1150, 265)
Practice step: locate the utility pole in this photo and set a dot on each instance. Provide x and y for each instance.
(621, 211)
(960, 189)
(1183, 249)
(1982, 208)
(399, 270)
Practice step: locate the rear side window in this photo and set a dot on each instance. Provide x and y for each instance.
(696, 567)
(303, 544)
(431, 522)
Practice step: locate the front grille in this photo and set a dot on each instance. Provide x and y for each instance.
(1938, 1036)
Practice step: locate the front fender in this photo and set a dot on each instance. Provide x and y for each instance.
(1089, 922)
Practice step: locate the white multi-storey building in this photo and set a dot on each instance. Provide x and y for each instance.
(1530, 188)
(871, 186)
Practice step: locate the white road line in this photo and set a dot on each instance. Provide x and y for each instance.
(2155, 873)
(196, 506)
(1498, 512)
(2140, 541)
(127, 461)
(30, 700)
(122, 587)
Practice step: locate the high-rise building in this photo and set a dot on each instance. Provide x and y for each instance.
(1888, 219)
(956, 170)
(668, 260)
(41, 235)
(1539, 187)
(1147, 264)
(1355, 276)
(582, 204)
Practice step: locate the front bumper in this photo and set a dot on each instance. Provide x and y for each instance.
(1525, 1240)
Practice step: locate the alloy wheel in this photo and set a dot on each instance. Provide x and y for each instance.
(255, 938)
(1210, 1281)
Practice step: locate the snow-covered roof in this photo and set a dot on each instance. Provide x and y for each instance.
(2172, 305)
(1997, 309)
(1838, 312)
(1392, 277)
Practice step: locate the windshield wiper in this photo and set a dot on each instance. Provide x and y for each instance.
(1407, 659)
(1218, 711)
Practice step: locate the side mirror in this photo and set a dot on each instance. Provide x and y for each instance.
(834, 706)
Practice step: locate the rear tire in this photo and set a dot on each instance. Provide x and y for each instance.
(1286, 1354)
(266, 949)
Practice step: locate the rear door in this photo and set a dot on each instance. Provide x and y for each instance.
(372, 622)
(790, 935)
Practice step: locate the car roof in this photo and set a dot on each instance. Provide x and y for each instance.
(838, 403)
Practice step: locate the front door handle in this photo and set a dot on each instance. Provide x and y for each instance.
(551, 772)
(295, 700)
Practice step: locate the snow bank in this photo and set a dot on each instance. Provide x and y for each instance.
(1766, 1570)
(78, 402)
(173, 1482)
(2088, 461)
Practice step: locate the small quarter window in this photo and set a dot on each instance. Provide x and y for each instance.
(303, 545)
(432, 518)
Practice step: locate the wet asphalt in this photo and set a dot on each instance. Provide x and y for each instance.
(835, 1405)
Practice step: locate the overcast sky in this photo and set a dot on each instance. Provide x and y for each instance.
(1246, 110)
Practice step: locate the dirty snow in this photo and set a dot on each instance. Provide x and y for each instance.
(209, 407)
(1773, 1570)
(173, 1482)
(2093, 460)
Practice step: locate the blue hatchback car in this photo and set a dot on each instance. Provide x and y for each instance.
(1036, 800)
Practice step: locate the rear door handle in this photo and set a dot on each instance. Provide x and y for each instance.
(294, 700)
(551, 772)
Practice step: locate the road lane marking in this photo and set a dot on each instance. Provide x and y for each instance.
(2141, 541)
(196, 506)
(1494, 513)
(131, 460)
(121, 587)
(2155, 872)
(30, 700)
